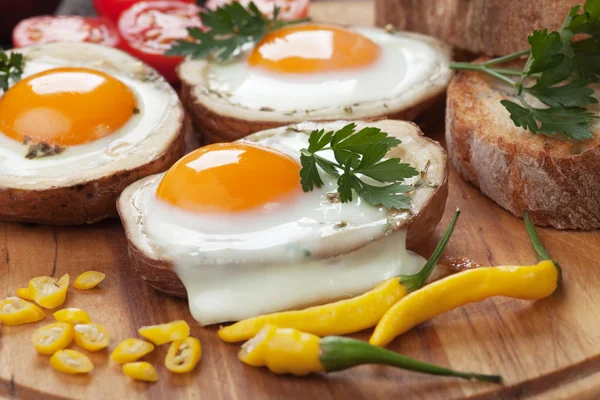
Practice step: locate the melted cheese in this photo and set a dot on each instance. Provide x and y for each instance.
(220, 293)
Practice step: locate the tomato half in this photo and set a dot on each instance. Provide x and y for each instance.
(112, 9)
(149, 28)
(49, 29)
(290, 9)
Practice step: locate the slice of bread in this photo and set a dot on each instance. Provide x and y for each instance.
(557, 180)
(489, 27)
(427, 209)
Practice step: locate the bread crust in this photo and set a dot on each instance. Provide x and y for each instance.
(84, 202)
(558, 181)
(488, 27)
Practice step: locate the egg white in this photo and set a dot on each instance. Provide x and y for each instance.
(134, 144)
(404, 65)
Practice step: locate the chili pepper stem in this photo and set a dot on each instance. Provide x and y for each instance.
(338, 353)
(540, 250)
(418, 280)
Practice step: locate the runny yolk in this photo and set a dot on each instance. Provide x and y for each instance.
(66, 107)
(230, 177)
(309, 49)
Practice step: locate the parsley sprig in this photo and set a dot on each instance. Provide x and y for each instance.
(558, 72)
(11, 69)
(230, 30)
(358, 155)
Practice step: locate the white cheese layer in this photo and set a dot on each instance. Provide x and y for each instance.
(221, 293)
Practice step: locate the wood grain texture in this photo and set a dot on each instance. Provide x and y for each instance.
(548, 349)
(489, 27)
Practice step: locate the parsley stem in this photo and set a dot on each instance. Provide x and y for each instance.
(493, 72)
(510, 57)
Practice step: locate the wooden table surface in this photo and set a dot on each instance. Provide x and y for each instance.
(547, 349)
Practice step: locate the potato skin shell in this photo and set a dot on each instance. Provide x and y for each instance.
(85, 202)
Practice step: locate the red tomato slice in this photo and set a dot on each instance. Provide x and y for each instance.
(112, 9)
(290, 9)
(49, 29)
(149, 28)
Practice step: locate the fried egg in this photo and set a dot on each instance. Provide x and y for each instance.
(233, 222)
(316, 72)
(80, 112)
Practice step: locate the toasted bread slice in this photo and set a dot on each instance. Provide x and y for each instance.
(489, 27)
(558, 181)
(220, 119)
(428, 201)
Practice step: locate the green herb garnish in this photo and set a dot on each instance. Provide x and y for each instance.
(558, 72)
(358, 155)
(11, 69)
(230, 29)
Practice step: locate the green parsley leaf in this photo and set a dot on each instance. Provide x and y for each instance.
(229, 30)
(358, 155)
(557, 72)
(11, 68)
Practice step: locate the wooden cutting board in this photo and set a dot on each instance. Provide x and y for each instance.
(547, 349)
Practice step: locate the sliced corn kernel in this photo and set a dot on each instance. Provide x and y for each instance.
(24, 293)
(71, 362)
(16, 311)
(72, 316)
(88, 280)
(50, 338)
(141, 371)
(131, 350)
(92, 337)
(183, 355)
(48, 292)
(165, 333)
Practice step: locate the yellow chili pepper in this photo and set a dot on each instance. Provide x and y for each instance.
(141, 371)
(289, 351)
(16, 311)
(346, 316)
(50, 338)
(72, 316)
(130, 350)
(521, 282)
(183, 355)
(71, 362)
(165, 333)
(92, 337)
(24, 293)
(48, 292)
(88, 280)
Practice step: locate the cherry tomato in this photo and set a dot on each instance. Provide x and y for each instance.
(149, 28)
(112, 9)
(48, 29)
(289, 9)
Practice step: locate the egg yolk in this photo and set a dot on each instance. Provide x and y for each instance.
(309, 49)
(230, 177)
(66, 107)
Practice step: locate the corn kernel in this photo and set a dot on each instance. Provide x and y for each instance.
(72, 316)
(183, 355)
(91, 337)
(165, 333)
(141, 371)
(88, 280)
(71, 362)
(16, 311)
(48, 292)
(130, 350)
(50, 338)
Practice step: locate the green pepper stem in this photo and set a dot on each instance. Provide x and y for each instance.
(418, 280)
(540, 250)
(338, 353)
